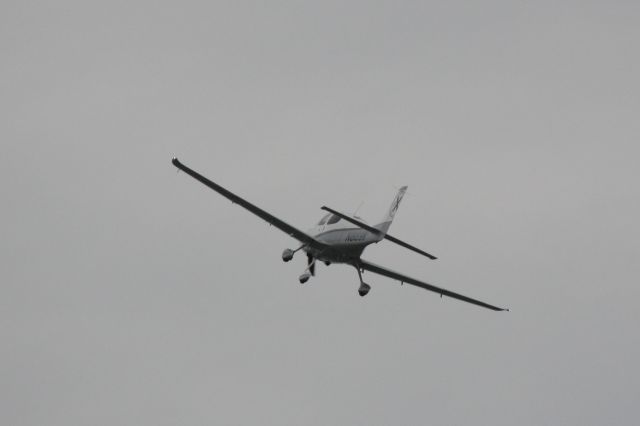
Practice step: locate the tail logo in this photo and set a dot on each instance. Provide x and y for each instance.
(396, 204)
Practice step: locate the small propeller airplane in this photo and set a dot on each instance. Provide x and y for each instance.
(339, 238)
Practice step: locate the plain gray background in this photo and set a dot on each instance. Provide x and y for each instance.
(132, 294)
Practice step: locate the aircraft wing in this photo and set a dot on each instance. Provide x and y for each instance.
(280, 224)
(367, 266)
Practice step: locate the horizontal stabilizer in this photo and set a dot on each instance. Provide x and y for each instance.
(378, 232)
(409, 246)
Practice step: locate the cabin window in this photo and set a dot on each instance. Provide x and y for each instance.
(333, 219)
(324, 219)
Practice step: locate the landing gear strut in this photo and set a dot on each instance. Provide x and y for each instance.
(364, 287)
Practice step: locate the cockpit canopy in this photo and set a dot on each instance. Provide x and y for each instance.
(329, 219)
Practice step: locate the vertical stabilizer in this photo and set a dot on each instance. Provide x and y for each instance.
(388, 218)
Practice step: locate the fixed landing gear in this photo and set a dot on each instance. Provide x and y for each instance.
(364, 288)
(310, 271)
(304, 277)
(287, 254)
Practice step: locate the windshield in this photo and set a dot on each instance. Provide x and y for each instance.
(324, 219)
(333, 219)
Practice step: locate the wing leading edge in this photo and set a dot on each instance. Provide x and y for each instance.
(280, 224)
(376, 269)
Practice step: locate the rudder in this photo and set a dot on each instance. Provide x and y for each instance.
(388, 218)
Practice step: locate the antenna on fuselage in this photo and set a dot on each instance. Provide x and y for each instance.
(355, 213)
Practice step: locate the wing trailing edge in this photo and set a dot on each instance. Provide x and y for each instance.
(380, 270)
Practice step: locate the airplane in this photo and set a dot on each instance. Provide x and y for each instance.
(339, 238)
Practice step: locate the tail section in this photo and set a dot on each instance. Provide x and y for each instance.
(380, 230)
(388, 218)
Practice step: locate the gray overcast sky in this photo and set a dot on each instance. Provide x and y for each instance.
(134, 295)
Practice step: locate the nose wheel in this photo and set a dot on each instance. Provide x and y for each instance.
(304, 277)
(309, 272)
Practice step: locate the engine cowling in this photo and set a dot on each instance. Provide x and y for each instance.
(287, 255)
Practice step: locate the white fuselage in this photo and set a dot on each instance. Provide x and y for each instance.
(346, 240)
